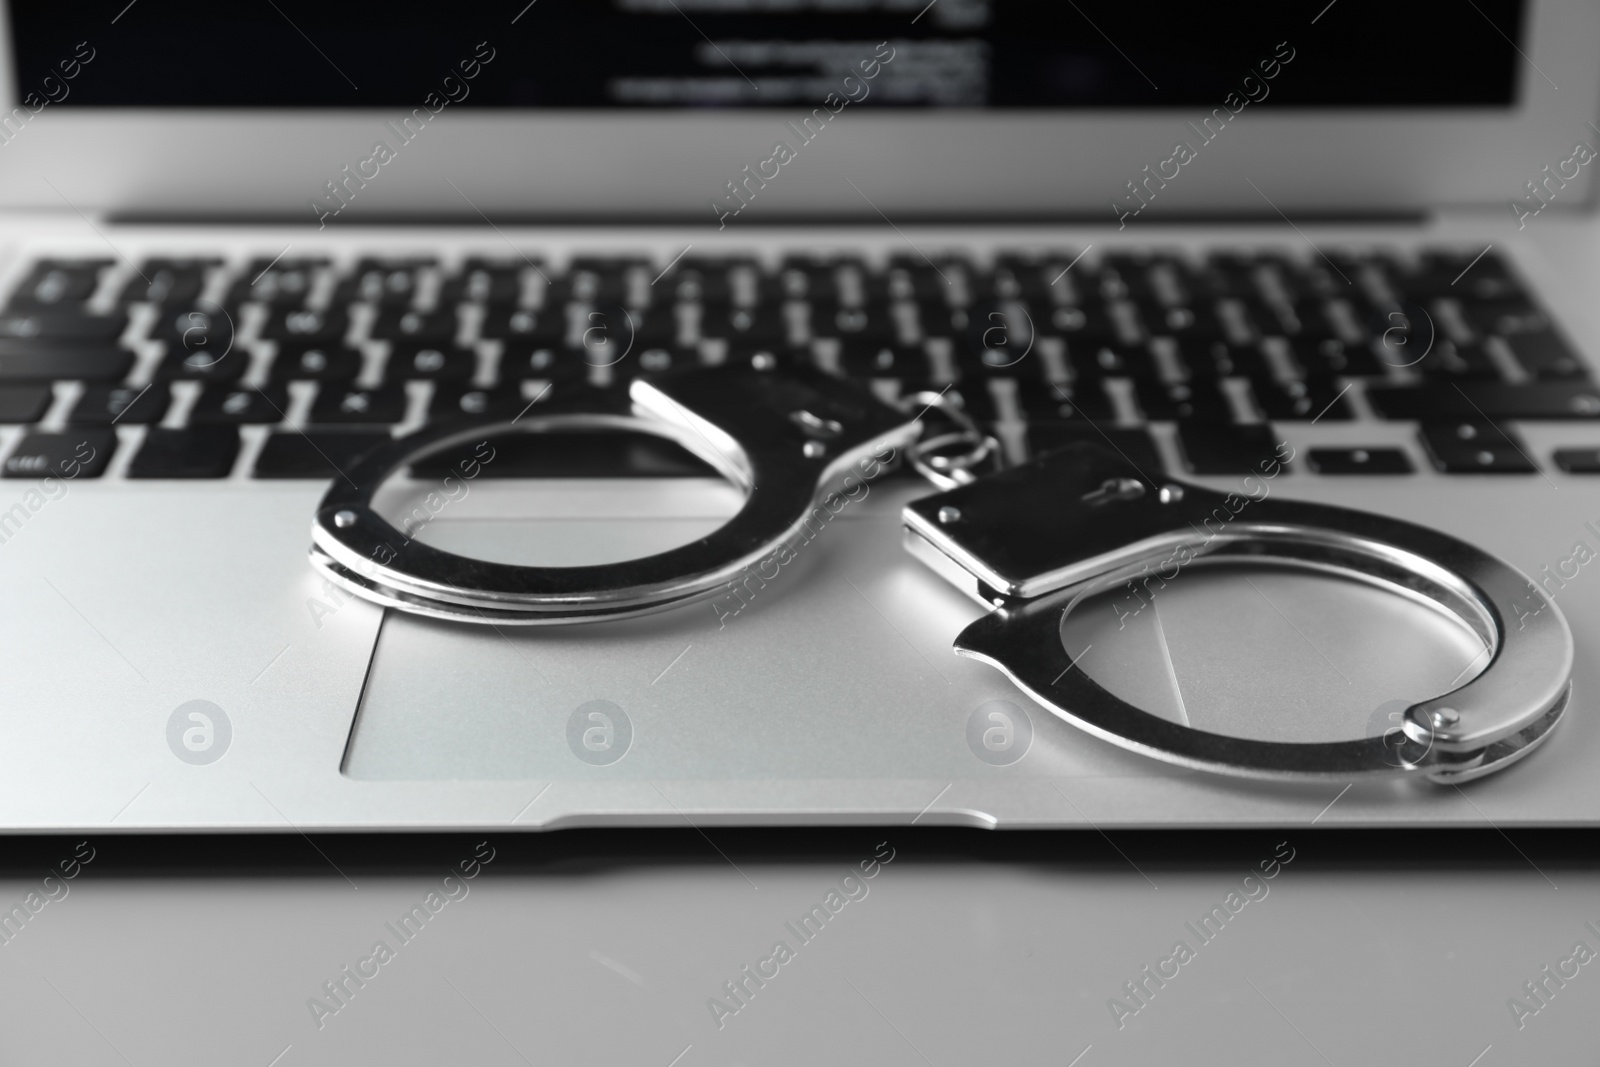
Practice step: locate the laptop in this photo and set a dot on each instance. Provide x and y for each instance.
(244, 247)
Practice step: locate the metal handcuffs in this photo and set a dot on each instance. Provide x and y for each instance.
(1030, 543)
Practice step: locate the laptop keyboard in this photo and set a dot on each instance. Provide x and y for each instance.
(1047, 348)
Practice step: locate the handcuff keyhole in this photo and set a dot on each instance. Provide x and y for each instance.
(1114, 489)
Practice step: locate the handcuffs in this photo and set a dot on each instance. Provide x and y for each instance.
(1029, 542)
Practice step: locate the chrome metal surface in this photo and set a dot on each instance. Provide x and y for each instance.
(1036, 541)
(932, 456)
(791, 443)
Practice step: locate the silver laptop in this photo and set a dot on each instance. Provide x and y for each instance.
(243, 247)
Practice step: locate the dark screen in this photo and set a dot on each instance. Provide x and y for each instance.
(766, 53)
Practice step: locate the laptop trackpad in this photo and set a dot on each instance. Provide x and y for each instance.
(841, 667)
(838, 667)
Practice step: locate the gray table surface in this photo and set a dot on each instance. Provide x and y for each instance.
(965, 947)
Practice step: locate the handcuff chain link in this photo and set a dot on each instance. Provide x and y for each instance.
(945, 470)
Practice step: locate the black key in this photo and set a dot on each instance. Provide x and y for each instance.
(1475, 447)
(1317, 278)
(551, 362)
(57, 326)
(387, 283)
(1228, 448)
(1487, 400)
(656, 360)
(196, 452)
(921, 284)
(316, 363)
(1330, 358)
(305, 326)
(483, 283)
(1136, 269)
(1196, 322)
(317, 454)
(58, 284)
(403, 324)
(22, 362)
(336, 405)
(102, 405)
(998, 337)
(976, 400)
(81, 452)
(196, 330)
(762, 327)
(1578, 460)
(166, 283)
(693, 279)
(1004, 361)
(1312, 398)
(1358, 461)
(1020, 277)
(1056, 401)
(1117, 284)
(203, 365)
(1545, 354)
(219, 405)
(804, 278)
(1228, 273)
(1448, 361)
(1506, 317)
(441, 363)
(606, 283)
(1258, 318)
(1183, 400)
(1077, 320)
(279, 283)
(608, 339)
(1306, 322)
(937, 320)
(1133, 445)
(859, 359)
(954, 274)
(657, 327)
(1218, 359)
(1111, 360)
(864, 325)
(476, 405)
(24, 403)
(872, 323)
(543, 328)
(1462, 276)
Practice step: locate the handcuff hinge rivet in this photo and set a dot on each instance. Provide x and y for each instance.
(813, 449)
(947, 515)
(1443, 717)
(344, 519)
(1171, 494)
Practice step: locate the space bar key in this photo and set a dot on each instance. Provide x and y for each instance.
(97, 364)
(1487, 400)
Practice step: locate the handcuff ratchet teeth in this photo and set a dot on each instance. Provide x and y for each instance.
(1034, 541)
(1030, 543)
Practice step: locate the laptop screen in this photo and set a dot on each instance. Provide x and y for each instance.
(698, 54)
